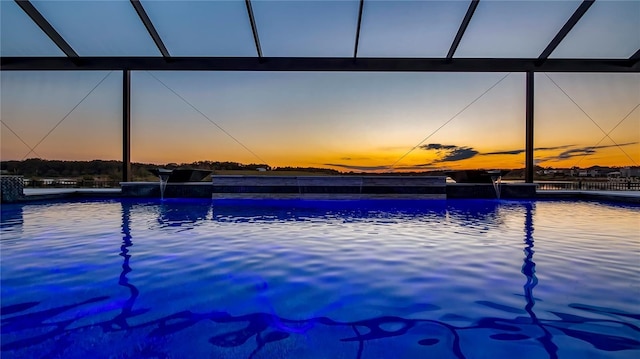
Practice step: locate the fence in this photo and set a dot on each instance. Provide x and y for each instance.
(589, 185)
(10, 188)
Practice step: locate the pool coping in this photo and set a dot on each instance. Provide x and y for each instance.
(616, 196)
(37, 194)
(43, 194)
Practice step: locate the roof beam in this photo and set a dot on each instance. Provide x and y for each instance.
(355, 49)
(254, 28)
(573, 20)
(37, 17)
(318, 64)
(463, 27)
(635, 58)
(150, 28)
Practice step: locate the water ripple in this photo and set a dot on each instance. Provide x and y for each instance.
(294, 278)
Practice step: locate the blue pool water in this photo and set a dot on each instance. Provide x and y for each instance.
(320, 279)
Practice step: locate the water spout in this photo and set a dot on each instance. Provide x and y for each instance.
(163, 174)
(497, 181)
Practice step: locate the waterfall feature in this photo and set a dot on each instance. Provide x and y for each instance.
(163, 175)
(497, 181)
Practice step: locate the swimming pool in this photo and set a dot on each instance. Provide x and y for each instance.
(126, 278)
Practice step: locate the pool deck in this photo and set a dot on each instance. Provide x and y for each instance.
(35, 194)
(38, 194)
(616, 196)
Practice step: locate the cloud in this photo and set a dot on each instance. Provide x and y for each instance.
(446, 153)
(552, 148)
(453, 153)
(357, 168)
(418, 167)
(576, 152)
(458, 154)
(346, 158)
(438, 146)
(582, 151)
(450, 153)
(509, 152)
(569, 153)
(519, 151)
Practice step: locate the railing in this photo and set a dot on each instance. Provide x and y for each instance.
(589, 185)
(71, 184)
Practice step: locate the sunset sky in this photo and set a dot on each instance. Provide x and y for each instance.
(345, 121)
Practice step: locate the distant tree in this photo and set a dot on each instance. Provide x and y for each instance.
(51, 173)
(308, 169)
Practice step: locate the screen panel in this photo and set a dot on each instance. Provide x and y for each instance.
(609, 30)
(409, 28)
(20, 36)
(514, 28)
(203, 28)
(99, 28)
(307, 28)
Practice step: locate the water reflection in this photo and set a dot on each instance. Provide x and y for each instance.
(529, 270)
(257, 332)
(304, 210)
(477, 215)
(266, 328)
(120, 321)
(189, 214)
(471, 212)
(184, 214)
(529, 266)
(11, 219)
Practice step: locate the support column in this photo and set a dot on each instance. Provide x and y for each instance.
(529, 165)
(126, 126)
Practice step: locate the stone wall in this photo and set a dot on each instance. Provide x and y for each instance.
(487, 191)
(173, 190)
(11, 188)
(329, 187)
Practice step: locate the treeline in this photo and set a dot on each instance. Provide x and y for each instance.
(307, 169)
(39, 168)
(112, 170)
(216, 166)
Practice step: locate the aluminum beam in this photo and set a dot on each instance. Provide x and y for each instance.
(634, 60)
(573, 20)
(254, 28)
(529, 164)
(317, 64)
(126, 126)
(37, 17)
(150, 28)
(463, 27)
(355, 49)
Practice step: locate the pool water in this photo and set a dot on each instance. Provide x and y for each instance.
(126, 278)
